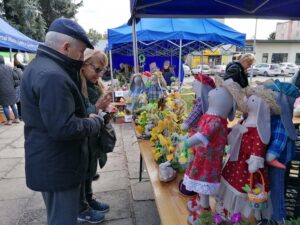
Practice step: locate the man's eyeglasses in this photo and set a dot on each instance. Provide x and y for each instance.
(98, 69)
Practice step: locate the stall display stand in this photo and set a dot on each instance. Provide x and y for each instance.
(121, 105)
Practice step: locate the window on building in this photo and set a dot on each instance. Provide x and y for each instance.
(279, 57)
(265, 58)
(297, 61)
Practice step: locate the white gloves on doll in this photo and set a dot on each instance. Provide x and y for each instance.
(255, 163)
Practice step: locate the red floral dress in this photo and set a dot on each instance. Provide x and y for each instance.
(236, 172)
(204, 173)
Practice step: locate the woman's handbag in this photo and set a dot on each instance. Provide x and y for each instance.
(108, 138)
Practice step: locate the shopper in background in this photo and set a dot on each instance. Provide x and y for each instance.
(8, 99)
(237, 71)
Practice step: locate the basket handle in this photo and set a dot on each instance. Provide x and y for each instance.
(262, 179)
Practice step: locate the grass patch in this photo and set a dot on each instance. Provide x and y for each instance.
(186, 90)
(189, 99)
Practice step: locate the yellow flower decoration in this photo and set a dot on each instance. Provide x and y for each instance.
(157, 156)
(162, 140)
(170, 157)
(140, 129)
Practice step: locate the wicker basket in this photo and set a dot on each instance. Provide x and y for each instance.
(258, 201)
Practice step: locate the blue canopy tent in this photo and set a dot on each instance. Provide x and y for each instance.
(265, 9)
(172, 37)
(11, 38)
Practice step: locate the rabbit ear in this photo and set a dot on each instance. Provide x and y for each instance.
(263, 121)
(203, 93)
(234, 140)
(286, 104)
(231, 115)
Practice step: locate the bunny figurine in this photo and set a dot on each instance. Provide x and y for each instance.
(204, 172)
(201, 86)
(137, 88)
(166, 172)
(282, 145)
(248, 144)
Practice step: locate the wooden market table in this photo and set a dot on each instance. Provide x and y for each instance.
(171, 204)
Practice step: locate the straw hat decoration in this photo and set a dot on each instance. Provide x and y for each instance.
(235, 90)
(266, 95)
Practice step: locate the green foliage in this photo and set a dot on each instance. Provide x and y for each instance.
(33, 17)
(52, 9)
(25, 16)
(189, 99)
(293, 222)
(94, 36)
(207, 218)
(122, 79)
(272, 36)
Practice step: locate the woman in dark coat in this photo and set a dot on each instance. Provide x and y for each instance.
(168, 73)
(8, 82)
(96, 100)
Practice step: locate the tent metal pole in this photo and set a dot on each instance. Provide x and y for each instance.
(10, 55)
(179, 64)
(254, 50)
(134, 46)
(111, 68)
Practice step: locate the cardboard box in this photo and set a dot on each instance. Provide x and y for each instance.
(128, 118)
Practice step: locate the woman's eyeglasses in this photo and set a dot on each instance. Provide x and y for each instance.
(98, 69)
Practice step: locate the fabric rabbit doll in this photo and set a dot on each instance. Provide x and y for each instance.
(201, 86)
(137, 88)
(282, 145)
(204, 172)
(248, 144)
(156, 88)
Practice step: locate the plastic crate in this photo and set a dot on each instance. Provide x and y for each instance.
(292, 184)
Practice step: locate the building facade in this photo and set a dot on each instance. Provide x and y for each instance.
(288, 30)
(276, 51)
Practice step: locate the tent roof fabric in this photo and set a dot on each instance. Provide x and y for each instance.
(12, 38)
(267, 9)
(209, 31)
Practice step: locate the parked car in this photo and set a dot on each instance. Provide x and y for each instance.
(288, 68)
(218, 70)
(187, 70)
(255, 72)
(266, 69)
(204, 69)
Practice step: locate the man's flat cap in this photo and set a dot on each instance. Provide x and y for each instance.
(70, 28)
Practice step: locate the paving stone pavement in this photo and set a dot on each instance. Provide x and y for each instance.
(131, 201)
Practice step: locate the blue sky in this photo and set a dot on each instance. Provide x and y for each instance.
(104, 14)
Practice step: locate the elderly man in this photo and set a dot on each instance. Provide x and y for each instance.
(56, 126)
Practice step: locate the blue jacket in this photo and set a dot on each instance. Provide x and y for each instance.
(280, 144)
(56, 129)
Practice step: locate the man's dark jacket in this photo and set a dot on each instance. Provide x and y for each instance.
(236, 72)
(56, 129)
